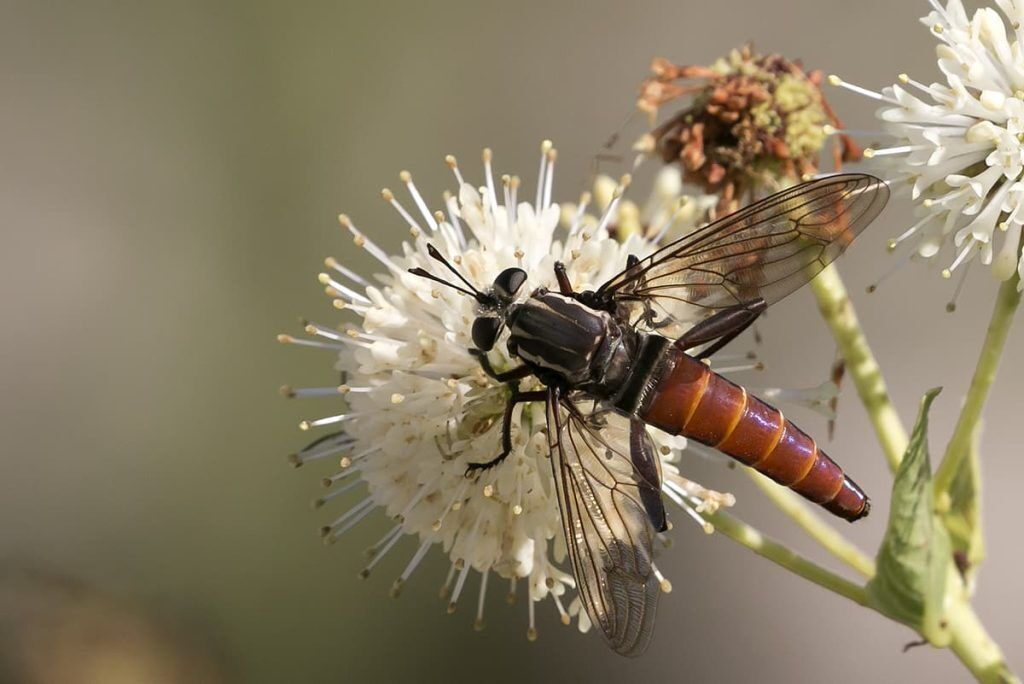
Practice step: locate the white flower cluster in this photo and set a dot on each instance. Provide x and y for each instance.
(420, 409)
(961, 143)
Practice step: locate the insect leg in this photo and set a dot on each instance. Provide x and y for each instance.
(564, 284)
(646, 465)
(721, 328)
(506, 376)
(506, 428)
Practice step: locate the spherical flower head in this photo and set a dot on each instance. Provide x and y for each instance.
(420, 410)
(960, 144)
(751, 122)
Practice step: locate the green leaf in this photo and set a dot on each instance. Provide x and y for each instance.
(913, 561)
(961, 513)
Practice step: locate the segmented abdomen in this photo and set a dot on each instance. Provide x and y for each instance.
(691, 400)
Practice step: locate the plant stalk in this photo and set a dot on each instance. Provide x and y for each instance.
(838, 312)
(747, 536)
(975, 648)
(984, 375)
(813, 524)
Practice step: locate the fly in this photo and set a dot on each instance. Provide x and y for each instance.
(600, 350)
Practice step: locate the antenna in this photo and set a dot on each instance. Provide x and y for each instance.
(436, 255)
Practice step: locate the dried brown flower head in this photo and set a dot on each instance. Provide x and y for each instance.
(751, 122)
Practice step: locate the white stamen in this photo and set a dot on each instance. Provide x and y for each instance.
(666, 586)
(332, 263)
(418, 199)
(381, 548)
(453, 164)
(459, 583)
(320, 422)
(492, 193)
(478, 624)
(545, 147)
(288, 339)
(840, 83)
(317, 503)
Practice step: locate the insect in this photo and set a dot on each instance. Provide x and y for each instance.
(608, 375)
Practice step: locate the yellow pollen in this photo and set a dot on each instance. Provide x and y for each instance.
(387, 195)
(489, 491)
(397, 398)
(450, 160)
(404, 176)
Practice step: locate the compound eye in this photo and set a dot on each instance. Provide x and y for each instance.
(508, 282)
(485, 332)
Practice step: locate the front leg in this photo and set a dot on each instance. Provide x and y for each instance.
(506, 428)
(505, 376)
(564, 284)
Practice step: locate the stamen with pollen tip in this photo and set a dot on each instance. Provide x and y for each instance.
(321, 501)
(871, 152)
(390, 198)
(510, 597)
(478, 623)
(332, 263)
(756, 366)
(613, 205)
(971, 244)
(326, 420)
(506, 185)
(372, 249)
(380, 549)
(581, 212)
(346, 521)
(840, 83)
(545, 148)
(453, 164)
(347, 461)
(550, 179)
(396, 587)
(312, 454)
(492, 193)
(290, 392)
(446, 589)
(562, 614)
(951, 304)
(895, 266)
(531, 631)
(421, 492)
(342, 305)
(459, 583)
(316, 344)
(406, 178)
(913, 230)
(666, 586)
(337, 477)
(341, 291)
(322, 331)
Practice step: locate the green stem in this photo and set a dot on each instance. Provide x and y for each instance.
(975, 648)
(813, 524)
(837, 310)
(751, 538)
(984, 374)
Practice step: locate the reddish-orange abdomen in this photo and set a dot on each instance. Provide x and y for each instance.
(689, 399)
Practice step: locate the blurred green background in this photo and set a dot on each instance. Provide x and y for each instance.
(170, 176)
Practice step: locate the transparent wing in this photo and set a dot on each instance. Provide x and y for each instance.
(765, 251)
(607, 530)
